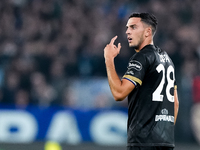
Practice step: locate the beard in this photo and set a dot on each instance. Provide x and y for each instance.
(137, 46)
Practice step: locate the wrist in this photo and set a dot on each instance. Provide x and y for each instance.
(107, 60)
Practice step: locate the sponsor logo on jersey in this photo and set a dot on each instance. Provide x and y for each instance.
(164, 116)
(135, 65)
(130, 72)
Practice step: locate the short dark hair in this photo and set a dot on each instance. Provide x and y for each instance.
(147, 18)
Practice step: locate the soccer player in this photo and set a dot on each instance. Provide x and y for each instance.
(150, 85)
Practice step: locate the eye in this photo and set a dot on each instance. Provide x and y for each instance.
(133, 26)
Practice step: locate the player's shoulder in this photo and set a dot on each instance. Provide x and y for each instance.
(149, 52)
(153, 51)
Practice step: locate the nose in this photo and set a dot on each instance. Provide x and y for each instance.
(127, 31)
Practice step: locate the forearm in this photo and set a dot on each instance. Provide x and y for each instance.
(114, 81)
(175, 113)
(176, 105)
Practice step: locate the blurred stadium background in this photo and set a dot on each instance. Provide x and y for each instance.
(53, 84)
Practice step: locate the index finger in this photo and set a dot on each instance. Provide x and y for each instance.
(113, 40)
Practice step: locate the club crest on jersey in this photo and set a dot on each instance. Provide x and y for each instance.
(135, 65)
(164, 111)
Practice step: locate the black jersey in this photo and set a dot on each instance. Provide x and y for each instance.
(151, 103)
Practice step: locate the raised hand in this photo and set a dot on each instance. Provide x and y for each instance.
(111, 50)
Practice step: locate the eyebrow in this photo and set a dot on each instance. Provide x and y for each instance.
(132, 25)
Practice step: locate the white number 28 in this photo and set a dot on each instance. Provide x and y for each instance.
(170, 83)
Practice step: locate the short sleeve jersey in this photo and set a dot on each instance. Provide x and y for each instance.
(151, 103)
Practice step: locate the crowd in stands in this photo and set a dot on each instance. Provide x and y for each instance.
(44, 44)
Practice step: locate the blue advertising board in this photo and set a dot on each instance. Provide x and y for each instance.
(64, 125)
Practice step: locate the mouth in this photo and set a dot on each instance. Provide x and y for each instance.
(129, 39)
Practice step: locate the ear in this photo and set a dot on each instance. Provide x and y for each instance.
(148, 32)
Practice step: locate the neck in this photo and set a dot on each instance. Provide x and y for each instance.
(147, 41)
